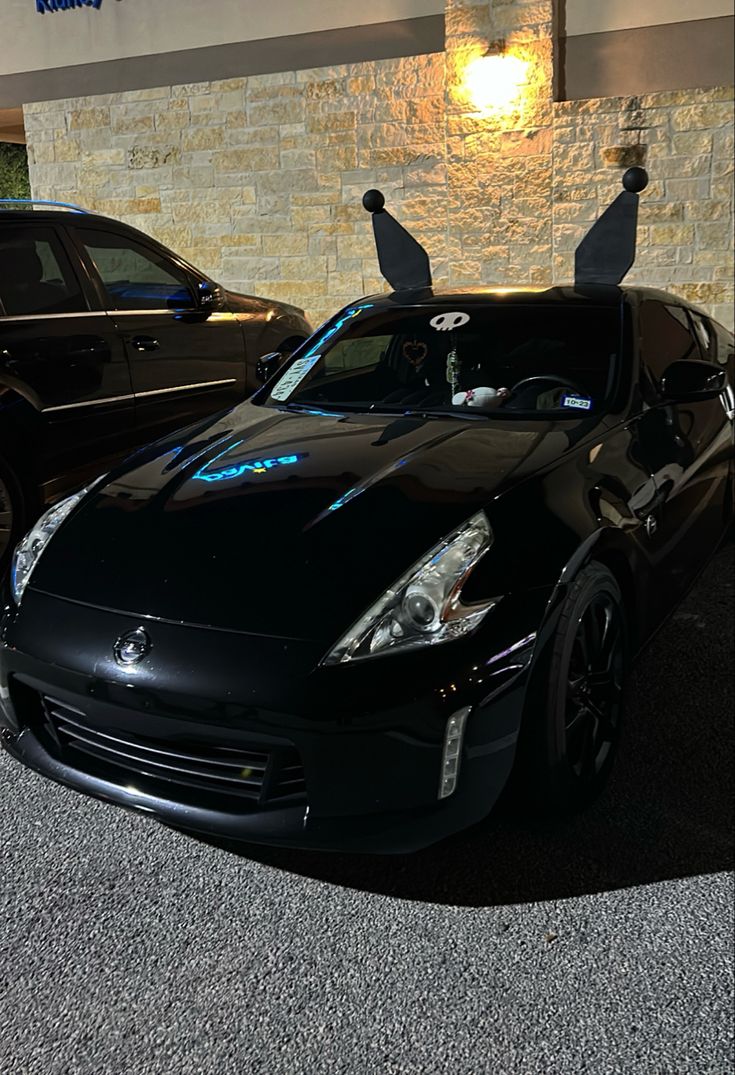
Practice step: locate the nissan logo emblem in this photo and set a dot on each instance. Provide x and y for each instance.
(132, 647)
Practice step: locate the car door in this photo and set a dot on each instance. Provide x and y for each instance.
(67, 403)
(186, 360)
(686, 446)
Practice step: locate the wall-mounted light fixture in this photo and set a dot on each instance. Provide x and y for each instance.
(494, 81)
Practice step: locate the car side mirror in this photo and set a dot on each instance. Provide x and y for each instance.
(689, 380)
(267, 366)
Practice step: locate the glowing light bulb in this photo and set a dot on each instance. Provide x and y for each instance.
(494, 83)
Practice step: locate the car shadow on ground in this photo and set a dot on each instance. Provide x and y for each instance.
(667, 812)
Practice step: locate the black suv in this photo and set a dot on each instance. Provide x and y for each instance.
(107, 341)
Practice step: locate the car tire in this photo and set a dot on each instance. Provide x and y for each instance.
(571, 727)
(13, 513)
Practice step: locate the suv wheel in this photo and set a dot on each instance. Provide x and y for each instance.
(12, 514)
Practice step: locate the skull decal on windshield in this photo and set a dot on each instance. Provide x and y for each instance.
(446, 322)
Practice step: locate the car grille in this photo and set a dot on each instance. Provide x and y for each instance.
(262, 777)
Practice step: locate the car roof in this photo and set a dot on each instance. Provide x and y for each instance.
(587, 295)
(64, 216)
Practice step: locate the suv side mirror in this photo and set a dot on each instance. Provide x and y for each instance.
(689, 380)
(207, 297)
(267, 366)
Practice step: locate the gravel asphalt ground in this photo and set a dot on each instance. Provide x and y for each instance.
(603, 945)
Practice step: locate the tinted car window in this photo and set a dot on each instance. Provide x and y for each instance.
(725, 344)
(134, 276)
(666, 336)
(36, 276)
(706, 336)
(511, 358)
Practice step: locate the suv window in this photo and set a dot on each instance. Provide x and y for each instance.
(36, 276)
(135, 277)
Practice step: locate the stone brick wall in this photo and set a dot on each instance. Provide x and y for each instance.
(523, 189)
(258, 180)
(500, 169)
(685, 233)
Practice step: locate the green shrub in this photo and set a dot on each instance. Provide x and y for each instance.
(14, 171)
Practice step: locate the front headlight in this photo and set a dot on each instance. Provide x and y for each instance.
(28, 551)
(424, 607)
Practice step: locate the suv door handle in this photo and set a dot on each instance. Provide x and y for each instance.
(144, 343)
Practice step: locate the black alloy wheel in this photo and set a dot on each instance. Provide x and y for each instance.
(574, 710)
(594, 687)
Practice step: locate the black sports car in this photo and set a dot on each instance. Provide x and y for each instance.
(426, 549)
(107, 341)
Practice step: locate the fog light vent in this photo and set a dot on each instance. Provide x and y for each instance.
(453, 737)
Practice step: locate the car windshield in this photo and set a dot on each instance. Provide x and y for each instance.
(476, 360)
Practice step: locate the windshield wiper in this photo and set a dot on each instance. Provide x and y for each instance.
(432, 413)
(419, 412)
(323, 408)
(379, 408)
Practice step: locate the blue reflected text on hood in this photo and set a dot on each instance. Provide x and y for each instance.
(251, 466)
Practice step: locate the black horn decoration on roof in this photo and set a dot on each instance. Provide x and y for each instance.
(607, 251)
(403, 261)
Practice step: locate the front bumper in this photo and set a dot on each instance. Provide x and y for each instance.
(351, 756)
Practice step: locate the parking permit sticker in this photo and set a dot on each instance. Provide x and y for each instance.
(294, 376)
(578, 403)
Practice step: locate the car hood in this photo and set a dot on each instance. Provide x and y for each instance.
(239, 302)
(284, 523)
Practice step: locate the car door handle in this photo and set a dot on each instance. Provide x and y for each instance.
(144, 343)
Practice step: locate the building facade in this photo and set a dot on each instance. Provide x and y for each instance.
(244, 139)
